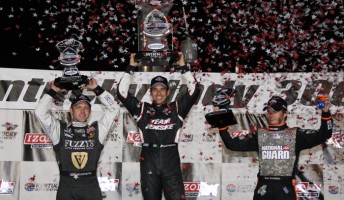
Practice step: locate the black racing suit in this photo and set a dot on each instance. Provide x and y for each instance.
(278, 149)
(77, 147)
(159, 127)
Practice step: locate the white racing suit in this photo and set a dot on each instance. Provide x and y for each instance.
(77, 147)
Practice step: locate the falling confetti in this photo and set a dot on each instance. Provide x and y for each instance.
(240, 36)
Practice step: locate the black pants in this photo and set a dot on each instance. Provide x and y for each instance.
(160, 171)
(274, 190)
(84, 188)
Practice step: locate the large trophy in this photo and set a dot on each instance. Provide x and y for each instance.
(224, 116)
(153, 32)
(69, 59)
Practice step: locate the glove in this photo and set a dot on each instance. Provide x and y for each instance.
(222, 97)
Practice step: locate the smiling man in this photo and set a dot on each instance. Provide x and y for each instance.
(159, 125)
(78, 144)
(278, 148)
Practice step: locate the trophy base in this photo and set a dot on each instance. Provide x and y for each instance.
(221, 118)
(156, 58)
(71, 82)
(150, 68)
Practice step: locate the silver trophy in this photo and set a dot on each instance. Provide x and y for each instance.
(188, 45)
(69, 59)
(224, 116)
(153, 32)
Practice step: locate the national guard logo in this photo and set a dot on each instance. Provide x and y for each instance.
(79, 159)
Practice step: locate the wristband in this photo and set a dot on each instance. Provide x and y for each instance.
(326, 115)
(52, 93)
(223, 128)
(98, 90)
(184, 69)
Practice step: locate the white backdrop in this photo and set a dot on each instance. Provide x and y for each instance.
(28, 169)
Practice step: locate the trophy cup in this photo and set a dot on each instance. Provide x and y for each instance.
(153, 31)
(69, 59)
(224, 116)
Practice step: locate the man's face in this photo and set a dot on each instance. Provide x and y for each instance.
(159, 94)
(276, 117)
(80, 111)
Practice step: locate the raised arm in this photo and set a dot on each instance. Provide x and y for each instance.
(50, 125)
(193, 89)
(131, 103)
(239, 142)
(306, 139)
(111, 111)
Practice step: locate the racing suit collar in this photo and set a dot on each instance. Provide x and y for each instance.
(79, 124)
(159, 106)
(277, 127)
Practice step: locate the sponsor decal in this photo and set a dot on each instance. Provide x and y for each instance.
(9, 133)
(133, 188)
(239, 133)
(37, 140)
(79, 159)
(208, 137)
(160, 124)
(184, 137)
(307, 190)
(79, 144)
(240, 188)
(108, 184)
(91, 132)
(197, 189)
(113, 137)
(33, 186)
(133, 137)
(9, 126)
(275, 152)
(231, 188)
(192, 189)
(6, 187)
(332, 189)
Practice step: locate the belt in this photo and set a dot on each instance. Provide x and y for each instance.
(159, 145)
(77, 175)
(276, 178)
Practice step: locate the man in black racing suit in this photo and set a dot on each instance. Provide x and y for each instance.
(278, 149)
(78, 145)
(159, 125)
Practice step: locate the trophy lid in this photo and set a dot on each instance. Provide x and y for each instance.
(69, 50)
(156, 24)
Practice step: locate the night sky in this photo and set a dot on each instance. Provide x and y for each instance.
(252, 36)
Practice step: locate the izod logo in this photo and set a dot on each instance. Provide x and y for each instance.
(36, 138)
(191, 188)
(133, 137)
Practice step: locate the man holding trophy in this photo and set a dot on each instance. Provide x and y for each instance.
(159, 125)
(278, 148)
(77, 144)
